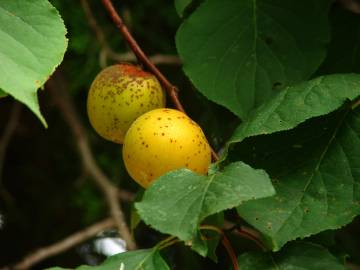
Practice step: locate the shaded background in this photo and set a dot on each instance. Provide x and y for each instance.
(46, 195)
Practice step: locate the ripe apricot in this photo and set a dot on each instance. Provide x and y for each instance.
(163, 140)
(118, 95)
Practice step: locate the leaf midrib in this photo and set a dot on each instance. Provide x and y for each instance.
(316, 169)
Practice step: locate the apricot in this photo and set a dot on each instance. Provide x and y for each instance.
(163, 140)
(118, 95)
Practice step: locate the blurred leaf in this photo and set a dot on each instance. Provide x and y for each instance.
(314, 168)
(90, 201)
(177, 202)
(238, 52)
(33, 43)
(181, 5)
(295, 256)
(146, 259)
(343, 52)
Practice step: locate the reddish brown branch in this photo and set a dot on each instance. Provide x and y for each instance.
(225, 242)
(157, 59)
(63, 245)
(171, 89)
(58, 89)
(243, 232)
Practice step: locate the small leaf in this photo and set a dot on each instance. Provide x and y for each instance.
(314, 168)
(145, 259)
(239, 53)
(33, 43)
(177, 202)
(298, 255)
(207, 247)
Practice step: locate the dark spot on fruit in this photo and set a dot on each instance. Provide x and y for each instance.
(162, 134)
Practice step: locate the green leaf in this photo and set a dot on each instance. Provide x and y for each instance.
(181, 5)
(207, 247)
(177, 202)
(314, 169)
(298, 103)
(144, 259)
(32, 44)
(295, 256)
(239, 53)
(134, 216)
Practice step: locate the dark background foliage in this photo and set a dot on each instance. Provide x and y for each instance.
(44, 193)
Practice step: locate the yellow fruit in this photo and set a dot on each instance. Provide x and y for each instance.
(163, 140)
(118, 95)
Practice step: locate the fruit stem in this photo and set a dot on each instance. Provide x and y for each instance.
(142, 57)
(225, 242)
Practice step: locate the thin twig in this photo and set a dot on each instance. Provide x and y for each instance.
(8, 132)
(245, 232)
(171, 89)
(126, 196)
(64, 102)
(225, 242)
(351, 5)
(157, 59)
(63, 245)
